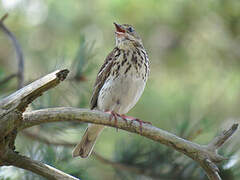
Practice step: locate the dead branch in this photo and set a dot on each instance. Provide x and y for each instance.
(12, 106)
(11, 109)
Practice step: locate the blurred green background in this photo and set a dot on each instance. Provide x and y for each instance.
(192, 91)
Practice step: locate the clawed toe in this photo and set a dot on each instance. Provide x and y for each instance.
(115, 116)
(126, 118)
(140, 123)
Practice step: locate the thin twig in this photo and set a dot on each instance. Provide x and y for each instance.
(35, 136)
(117, 165)
(4, 17)
(8, 78)
(18, 49)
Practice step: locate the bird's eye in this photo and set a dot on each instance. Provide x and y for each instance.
(130, 29)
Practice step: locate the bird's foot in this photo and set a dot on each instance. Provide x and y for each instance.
(115, 116)
(125, 118)
(136, 119)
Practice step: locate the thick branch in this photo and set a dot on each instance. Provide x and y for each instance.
(199, 153)
(21, 98)
(18, 49)
(18, 101)
(14, 159)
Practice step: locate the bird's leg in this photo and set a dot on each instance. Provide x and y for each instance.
(113, 115)
(125, 118)
(136, 119)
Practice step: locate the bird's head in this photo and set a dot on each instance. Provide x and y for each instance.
(126, 36)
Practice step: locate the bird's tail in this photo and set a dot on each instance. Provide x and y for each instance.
(85, 147)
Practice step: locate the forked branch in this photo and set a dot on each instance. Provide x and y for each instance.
(206, 155)
(16, 103)
(12, 120)
(11, 109)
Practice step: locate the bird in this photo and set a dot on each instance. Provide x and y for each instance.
(119, 84)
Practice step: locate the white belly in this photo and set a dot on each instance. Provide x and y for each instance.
(121, 94)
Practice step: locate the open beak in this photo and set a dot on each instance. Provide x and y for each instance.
(119, 29)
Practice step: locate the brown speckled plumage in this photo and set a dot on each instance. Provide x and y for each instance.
(119, 84)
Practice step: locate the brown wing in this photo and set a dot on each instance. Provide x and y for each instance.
(102, 76)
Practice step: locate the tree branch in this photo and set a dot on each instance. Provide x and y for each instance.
(12, 119)
(22, 98)
(11, 109)
(218, 141)
(41, 139)
(200, 153)
(8, 78)
(18, 49)
(211, 169)
(18, 101)
(14, 159)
